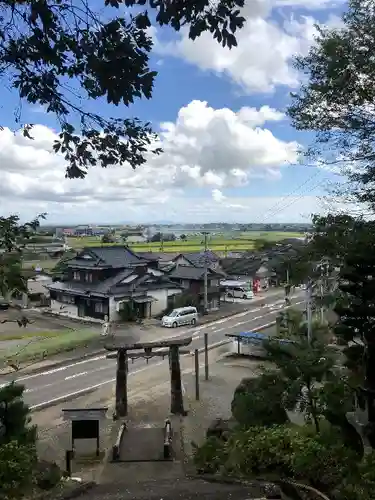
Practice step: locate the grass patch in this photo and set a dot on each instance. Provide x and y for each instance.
(24, 334)
(41, 349)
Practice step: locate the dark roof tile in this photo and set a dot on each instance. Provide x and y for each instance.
(113, 256)
(190, 273)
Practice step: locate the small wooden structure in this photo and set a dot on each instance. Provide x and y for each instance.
(170, 348)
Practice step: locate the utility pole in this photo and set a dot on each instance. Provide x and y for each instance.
(309, 310)
(162, 241)
(205, 274)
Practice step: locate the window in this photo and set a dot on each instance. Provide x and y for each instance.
(76, 275)
(88, 277)
(67, 299)
(101, 308)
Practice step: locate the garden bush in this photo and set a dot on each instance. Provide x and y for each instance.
(47, 474)
(286, 451)
(257, 402)
(16, 465)
(209, 457)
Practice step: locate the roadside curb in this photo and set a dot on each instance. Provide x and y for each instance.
(55, 364)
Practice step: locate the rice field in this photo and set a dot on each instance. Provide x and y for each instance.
(224, 243)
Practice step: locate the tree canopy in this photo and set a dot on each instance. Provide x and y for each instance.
(63, 54)
(337, 101)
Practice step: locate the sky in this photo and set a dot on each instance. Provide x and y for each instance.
(230, 153)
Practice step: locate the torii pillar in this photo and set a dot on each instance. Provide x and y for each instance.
(146, 350)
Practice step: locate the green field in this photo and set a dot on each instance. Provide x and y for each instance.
(45, 344)
(224, 243)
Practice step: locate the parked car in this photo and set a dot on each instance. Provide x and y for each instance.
(237, 289)
(180, 316)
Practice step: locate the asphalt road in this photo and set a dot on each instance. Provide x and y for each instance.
(74, 379)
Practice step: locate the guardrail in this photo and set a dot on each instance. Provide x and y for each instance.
(168, 432)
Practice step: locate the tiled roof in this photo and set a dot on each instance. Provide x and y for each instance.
(113, 256)
(189, 273)
(112, 286)
(241, 266)
(199, 259)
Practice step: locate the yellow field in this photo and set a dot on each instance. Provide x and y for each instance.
(242, 242)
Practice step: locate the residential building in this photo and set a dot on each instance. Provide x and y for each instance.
(198, 259)
(192, 279)
(101, 280)
(249, 269)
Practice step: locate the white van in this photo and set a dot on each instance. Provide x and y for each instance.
(237, 289)
(180, 316)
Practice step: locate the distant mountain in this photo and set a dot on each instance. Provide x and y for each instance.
(162, 223)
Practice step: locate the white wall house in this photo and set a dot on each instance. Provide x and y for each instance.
(158, 302)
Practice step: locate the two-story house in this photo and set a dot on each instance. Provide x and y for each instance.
(100, 280)
(193, 280)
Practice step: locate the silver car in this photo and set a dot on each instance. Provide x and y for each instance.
(180, 316)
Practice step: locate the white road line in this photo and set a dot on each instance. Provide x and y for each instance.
(195, 337)
(60, 369)
(90, 388)
(70, 377)
(96, 386)
(219, 330)
(183, 333)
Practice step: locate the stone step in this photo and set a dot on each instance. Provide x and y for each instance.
(183, 489)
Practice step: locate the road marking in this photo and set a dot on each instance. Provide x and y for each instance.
(195, 337)
(218, 330)
(75, 375)
(59, 399)
(60, 369)
(240, 323)
(90, 388)
(101, 357)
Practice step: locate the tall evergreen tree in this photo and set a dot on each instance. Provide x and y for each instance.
(355, 309)
(336, 100)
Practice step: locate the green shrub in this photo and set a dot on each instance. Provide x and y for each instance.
(360, 484)
(16, 467)
(209, 457)
(258, 402)
(322, 460)
(47, 474)
(259, 451)
(319, 459)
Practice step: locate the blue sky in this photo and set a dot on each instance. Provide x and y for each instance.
(193, 181)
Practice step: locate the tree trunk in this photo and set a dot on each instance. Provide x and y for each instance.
(121, 384)
(177, 402)
(312, 406)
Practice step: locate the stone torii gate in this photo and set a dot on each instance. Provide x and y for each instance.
(171, 348)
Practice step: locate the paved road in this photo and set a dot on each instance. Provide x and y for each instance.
(73, 379)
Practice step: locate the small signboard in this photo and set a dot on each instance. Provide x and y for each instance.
(85, 423)
(73, 414)
(85, 429)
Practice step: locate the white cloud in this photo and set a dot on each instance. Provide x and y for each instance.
(263, 58)
(217, 195)
(204, 147)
